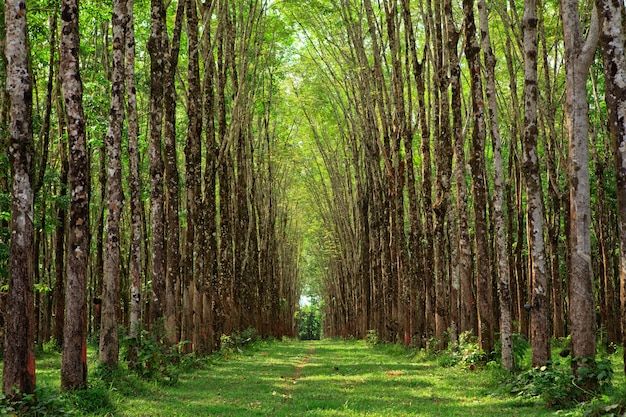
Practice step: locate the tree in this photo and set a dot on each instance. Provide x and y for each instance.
(18, 375)
(498, 198)
(74, 360)
(486, 331)
(172, 277)
(613, 45)
(539, 331)
(579, 53)
(156, 48)
(134, 184)
(109, 337)
(193, 296)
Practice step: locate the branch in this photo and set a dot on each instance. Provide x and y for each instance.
(591, 43)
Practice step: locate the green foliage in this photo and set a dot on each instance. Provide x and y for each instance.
(371, 339)
(557, 385)
(309, 319)
(606, 406)
(157, 359)
(41, 403)
(237, 341)
(521, 347)
(465, 353)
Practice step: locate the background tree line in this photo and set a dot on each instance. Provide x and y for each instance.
(428, 167)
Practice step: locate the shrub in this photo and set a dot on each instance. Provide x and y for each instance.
(156, 359)
(465, 353)
(237, 341)
(42, 403)
(557, 385)
(371, 339)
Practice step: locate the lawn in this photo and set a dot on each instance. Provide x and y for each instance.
(294, 378)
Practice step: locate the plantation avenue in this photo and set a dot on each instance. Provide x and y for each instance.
(194, 192)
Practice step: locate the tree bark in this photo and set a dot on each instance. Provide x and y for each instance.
(194, 254)
(613, 44)
(156, 47)
(134, 180)
(109, 337)
(61, 235)
(74, 359)
(18, 376)
(486, 331)
(498, 197)
(539, 330)
(579, 54)
(172, 178)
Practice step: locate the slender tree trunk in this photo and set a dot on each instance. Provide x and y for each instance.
(539, 330)
(74, 360)
(61, 235)
(206, 281)
(613, 45)
(465, 265)
(172, 178)
(18, 375)
(156, 47)
(194, 254)
(109, 337)
(416, 310)
(134, 180)
(498, 198)
(426, 292)
(579, 54)
(486, 331)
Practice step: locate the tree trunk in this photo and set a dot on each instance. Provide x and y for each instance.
(486, 331)
(61, 235)
(134, 180)
(579, 54)
(18, 376)
(172, 178)
(613, 44)
(498, 197)
(539, 330)
(443, 164)
(109, 337)
(156, 47)
(74, 360)
(194, 254)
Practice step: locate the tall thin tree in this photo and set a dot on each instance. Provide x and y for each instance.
(498, 195)
(484, 296)
(579, 53)
(18, 376)
(539, 331)
(74, 360)
(156, 48)
(109, 337)
(134, 180)
(613, 44)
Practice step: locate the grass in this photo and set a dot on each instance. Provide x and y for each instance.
(292, 378)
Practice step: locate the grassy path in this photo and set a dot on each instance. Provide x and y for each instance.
(323, 378)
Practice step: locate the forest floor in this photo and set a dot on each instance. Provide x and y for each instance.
(298, 378)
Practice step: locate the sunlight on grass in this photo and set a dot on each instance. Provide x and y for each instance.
(291, 378)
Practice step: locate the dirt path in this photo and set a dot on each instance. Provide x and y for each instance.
(289, 383)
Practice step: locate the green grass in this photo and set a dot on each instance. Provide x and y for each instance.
(292, 378)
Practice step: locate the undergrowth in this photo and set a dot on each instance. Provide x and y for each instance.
(559, 387)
